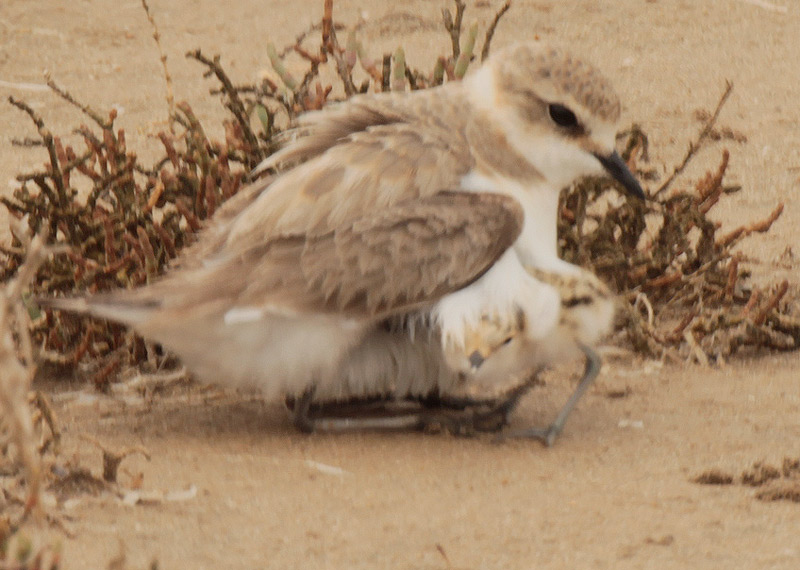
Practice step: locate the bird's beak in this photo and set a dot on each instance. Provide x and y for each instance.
(476, 359)
(617, 168)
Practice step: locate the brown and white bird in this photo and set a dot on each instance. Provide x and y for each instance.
(500, 357)
(499, 347)
(497, 364)
(421, 208)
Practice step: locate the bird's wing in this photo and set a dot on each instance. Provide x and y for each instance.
(215, 234)
(368, 167)
(318, 131)
(366, 226)
(411, 254)
(368, 153)
(388, 261)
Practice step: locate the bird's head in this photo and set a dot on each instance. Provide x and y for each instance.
(556, 111)
(495, 355)
(493, 335)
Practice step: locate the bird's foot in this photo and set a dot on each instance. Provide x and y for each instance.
(459, 415)
(546, 435)
(478, 416)
(549, 434)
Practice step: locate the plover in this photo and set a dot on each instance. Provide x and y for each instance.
(502, 348)
(497, 364)
(423, 208)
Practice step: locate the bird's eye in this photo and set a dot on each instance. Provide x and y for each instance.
(562, 115)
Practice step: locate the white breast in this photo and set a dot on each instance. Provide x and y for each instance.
(537, 244)
(502, 291)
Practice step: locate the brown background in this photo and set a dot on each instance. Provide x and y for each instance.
(607, 496)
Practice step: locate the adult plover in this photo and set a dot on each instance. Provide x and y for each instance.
(423, 208)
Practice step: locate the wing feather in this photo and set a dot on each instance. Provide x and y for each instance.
(386, 262)
(366, 226)
(370, 153)
(406, 256)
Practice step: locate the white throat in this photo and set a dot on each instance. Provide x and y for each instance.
(537, 244)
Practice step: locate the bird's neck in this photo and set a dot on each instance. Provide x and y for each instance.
(537, 245)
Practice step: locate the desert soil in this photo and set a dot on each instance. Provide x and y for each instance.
(616, 491)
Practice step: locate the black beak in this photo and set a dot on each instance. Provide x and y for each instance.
(476, 359)
(617, 168)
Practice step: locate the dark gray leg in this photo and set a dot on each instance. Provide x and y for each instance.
(366, 416)
(478, 416)
(301, 411)
(377, 423)
(549, 434)
(458, 415)
(351, 416)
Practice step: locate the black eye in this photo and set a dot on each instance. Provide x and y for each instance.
(507, 341)
(562, 115)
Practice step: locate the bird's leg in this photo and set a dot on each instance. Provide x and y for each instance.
(493, 417)
(459, 415)
(306, 420)
(378, 423)
(301, 411)
(434, 401)
(549, 434)
(497, 417)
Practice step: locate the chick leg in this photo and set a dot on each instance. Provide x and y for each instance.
(365, 417)
(478, 415)
(549, 434)
(459, 416)
(361, 415)
(301, 411)
(464, 416)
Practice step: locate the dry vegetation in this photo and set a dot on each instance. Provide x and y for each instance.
(27, 425)
(121, 223)
(688, 296)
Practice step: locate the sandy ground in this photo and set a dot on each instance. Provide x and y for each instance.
(616, 490)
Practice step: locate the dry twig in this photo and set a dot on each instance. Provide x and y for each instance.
(487, 42)
(17, 361)
(705, 131)
(163, 58)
